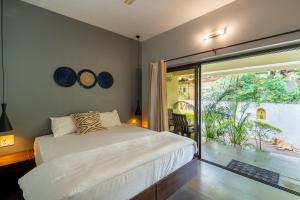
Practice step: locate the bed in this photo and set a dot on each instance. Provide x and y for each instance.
(123, 162)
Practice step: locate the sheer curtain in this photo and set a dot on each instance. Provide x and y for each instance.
(158, 111)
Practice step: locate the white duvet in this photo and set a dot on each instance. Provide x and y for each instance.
(48, 147)
(94, 174)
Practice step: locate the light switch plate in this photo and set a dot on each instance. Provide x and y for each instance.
(7, 140)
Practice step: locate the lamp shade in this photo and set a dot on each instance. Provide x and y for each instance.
(5, 125)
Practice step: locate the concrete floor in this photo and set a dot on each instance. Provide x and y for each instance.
(287, 166)
(214, 183)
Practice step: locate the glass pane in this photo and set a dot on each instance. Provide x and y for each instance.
(181, 102)
(250, 110)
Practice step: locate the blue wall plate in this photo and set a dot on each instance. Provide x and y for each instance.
(105, 80)
(87, 78)
(65, 76)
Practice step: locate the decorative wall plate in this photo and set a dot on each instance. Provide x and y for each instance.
(87, 78)
(65, 76)
(105, 80)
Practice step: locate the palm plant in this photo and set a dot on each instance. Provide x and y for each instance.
(224, 116)
(238, 124)
(213, 114)
(211, 119)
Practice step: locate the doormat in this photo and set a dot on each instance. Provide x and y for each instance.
(253, 171)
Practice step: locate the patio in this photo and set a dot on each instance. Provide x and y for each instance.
(287, 166)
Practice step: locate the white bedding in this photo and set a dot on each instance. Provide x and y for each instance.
(115, 170)
(47, 147)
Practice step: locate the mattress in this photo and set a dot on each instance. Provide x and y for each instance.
(47, 147)
(123, 184)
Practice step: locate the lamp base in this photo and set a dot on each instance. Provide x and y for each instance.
(5, 125)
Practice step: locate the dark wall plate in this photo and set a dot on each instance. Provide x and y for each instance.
(65, 76)
(87, 78)
(105, 80)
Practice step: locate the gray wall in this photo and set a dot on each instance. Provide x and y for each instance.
(38, 41)
(245, 20)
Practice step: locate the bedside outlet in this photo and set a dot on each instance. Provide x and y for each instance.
(7, 140)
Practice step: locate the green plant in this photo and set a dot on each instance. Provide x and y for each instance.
(237, 122)
(210, 128)
(224, 113)
(213, 113)
(260, 88)
(263, 131)
(190, 117)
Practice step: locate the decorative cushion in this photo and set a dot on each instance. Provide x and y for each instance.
(110, 119)
(87, 122)
(62, 125)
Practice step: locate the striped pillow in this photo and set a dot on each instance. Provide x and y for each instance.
(87, 122)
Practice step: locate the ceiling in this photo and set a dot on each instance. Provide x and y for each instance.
(144, 17)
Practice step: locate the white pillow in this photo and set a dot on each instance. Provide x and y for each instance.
(110, 119)
(62, 125)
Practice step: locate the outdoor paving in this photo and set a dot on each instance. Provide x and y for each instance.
(267, 146)
(287, 166)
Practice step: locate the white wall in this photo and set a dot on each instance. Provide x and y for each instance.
(245, 20)
(172, 88)
(283, 116)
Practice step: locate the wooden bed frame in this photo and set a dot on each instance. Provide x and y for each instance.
(170, 184)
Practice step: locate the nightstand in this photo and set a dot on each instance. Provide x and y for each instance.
(12, 167)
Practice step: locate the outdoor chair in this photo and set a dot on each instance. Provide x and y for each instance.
(181, 125)
(170, 119)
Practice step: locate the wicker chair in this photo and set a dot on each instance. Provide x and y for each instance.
(170, 119)
(181, 125)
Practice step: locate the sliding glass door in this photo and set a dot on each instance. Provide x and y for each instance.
(250, 110)
(182, 105)
(244, 114)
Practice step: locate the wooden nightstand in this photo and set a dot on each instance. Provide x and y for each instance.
(12, 167)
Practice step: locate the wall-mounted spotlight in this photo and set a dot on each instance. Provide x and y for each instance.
(215, 34)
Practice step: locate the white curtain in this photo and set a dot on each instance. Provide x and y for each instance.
(158, 111)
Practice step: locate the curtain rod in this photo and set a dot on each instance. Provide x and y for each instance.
(233, 45)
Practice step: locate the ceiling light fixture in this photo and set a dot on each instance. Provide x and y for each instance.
(128, 2)
(215, 34)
